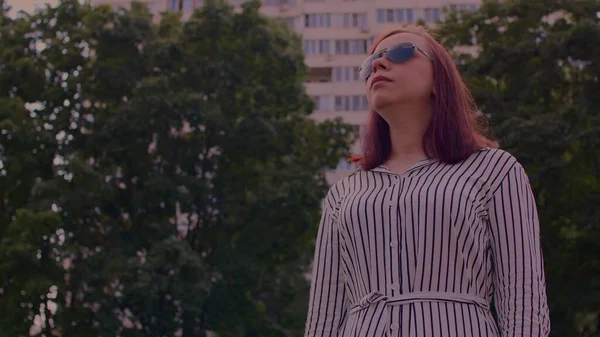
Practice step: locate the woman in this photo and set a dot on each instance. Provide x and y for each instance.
(435, 223)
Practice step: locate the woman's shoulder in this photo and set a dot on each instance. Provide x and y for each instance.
(339, 189)
(494, 164)
(494, 156)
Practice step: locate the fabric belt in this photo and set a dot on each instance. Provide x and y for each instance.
(419, 296)
(375, 305)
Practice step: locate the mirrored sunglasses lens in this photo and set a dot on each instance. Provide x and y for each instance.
(401, 53)
(366, 68)
(364, 73)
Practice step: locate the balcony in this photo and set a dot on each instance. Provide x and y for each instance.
(342, 6)
(337, 93)
(321, 81)
(331, 60)
(277, 8)
(319, 75)
(332, 33)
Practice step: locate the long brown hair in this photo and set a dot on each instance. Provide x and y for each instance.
(455, 131)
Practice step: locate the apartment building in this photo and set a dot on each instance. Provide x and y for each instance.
(337, 36)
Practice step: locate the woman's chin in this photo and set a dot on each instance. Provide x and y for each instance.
(381, 100)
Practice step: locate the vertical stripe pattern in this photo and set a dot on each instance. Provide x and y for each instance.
(424, 252)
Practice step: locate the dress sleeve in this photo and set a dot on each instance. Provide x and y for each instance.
(327, 303)
(519, 280)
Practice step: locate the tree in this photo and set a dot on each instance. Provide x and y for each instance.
(536, 74)
(33, 111)
(157, 178)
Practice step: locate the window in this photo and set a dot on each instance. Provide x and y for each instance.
(351, 47)
(316, 47)
(359, 20)
(342, 47)
(310, 20)
(322, 103)
(463, 7)
(188, 5)
(354, 20)
(344, 74)
(324, 47)
(152, 8)
(324, 20)
(380, 16)
(309, 47)
(432, 14)
(351, 103)
(277, 2)
(317, 20)
(400, 15)
(409, 15)
(345, 20)
(174, 5)
(358, 47)
(389, 15)
(427, 14)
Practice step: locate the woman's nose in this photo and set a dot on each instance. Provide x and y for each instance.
(380, 63)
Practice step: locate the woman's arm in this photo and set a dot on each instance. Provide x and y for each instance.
(327, 305)
(519, 280)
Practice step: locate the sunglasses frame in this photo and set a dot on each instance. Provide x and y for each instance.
(385, 50)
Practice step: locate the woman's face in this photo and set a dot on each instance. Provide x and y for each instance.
(410, 81)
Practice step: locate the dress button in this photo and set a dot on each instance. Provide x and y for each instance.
(393, 243)
(394, 326)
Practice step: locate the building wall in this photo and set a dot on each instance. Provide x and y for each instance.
(337, 36)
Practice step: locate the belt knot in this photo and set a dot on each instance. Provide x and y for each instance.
(368, 300)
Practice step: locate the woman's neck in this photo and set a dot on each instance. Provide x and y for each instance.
(407, 129)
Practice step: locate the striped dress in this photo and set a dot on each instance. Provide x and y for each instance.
(424, 253)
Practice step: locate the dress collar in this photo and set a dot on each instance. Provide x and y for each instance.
(415, 166)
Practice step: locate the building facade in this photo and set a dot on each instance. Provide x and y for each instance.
(337, 35)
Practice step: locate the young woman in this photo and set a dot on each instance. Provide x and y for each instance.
(435, 224)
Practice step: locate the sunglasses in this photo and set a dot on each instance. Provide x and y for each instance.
(397, 54)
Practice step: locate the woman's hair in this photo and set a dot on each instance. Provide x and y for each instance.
(455, 131)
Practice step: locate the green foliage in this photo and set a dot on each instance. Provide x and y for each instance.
(536, 74)
(157, 177)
